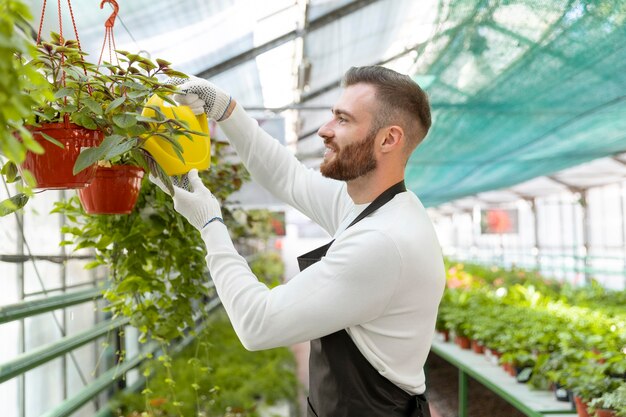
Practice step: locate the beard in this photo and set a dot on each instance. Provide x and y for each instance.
(352, 161)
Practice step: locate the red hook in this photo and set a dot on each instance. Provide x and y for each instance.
(116, 8)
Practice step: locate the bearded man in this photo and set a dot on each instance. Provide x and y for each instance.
(368, 299)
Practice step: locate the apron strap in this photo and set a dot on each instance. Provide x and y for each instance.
(380, 201)
(309, 258)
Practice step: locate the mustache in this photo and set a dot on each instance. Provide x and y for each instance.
(331, 144)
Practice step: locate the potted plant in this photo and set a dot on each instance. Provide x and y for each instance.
(96, 115)
(114, 189)
(587, 380)
(15, 105)
(125, 93)
(610, 403)
(58, 127)
(157, 272)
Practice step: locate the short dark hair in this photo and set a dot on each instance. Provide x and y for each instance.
(401, 100)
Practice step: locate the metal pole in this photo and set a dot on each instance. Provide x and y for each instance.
(463, 393)
(455, 237)
(21, 383)
(536, 246)
(585, 230)
(575, 237)
(622, 205)
(63, 273)
(562, 234)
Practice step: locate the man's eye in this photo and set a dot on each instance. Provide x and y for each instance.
(341, 119)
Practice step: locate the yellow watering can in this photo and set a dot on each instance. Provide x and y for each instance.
(196, 151)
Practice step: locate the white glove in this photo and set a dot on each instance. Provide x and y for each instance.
(202, 96)
(199, 206)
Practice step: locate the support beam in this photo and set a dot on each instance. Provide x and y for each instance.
(335, 84)
(313, 25)
(586, 228)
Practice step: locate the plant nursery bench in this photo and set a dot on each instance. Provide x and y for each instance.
(533, 403)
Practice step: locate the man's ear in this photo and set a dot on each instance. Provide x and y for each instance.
(393, 139)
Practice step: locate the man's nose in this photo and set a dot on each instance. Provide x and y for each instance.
(325, 131)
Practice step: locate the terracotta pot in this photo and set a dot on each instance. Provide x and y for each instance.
(53, 169)
(477, 347)
(463, 342)
(581, 407)
(509, 368)
(605, 413)
(114, 190)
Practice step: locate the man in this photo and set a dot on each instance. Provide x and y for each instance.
(368, 300)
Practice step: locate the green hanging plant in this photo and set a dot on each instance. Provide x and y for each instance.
(16, 105)
(157, 272)
(108, 100)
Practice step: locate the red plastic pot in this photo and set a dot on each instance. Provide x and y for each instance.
(509, 368)
(114, 190)
(463, 342)
(477, 346)
(53, 169)
(605, 413)
(581, 407)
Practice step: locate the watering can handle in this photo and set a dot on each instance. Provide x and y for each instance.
(203, 120)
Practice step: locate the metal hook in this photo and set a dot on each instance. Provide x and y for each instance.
(111, 20)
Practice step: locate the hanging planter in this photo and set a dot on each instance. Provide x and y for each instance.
(114, 190)
(53, 168)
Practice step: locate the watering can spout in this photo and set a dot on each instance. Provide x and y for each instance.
(196, 151)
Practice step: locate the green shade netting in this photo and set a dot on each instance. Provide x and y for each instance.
(519, 89)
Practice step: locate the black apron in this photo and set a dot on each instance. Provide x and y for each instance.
(342, 383)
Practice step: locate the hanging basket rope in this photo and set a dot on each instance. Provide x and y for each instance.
(60, 15)
(109, 38)
(43, 13)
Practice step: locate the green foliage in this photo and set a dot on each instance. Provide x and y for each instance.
(571, 336)
(213, 375)
(16, 105)
(268, 267)
(611, 400)
(588, 379)
(158, 275)
(110, 98)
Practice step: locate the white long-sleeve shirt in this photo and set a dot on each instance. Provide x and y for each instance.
(381, 280)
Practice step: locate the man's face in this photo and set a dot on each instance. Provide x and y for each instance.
(348, 136)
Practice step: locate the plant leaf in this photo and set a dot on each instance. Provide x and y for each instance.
(31, 144)
(63, 92)
(174, 73)
(87, 158)
(90, 156)
(10, 172)
(93, 105)
(115, 104)
(52, 140)
(123, 147)
(125, 120)
(163, 63)
(13, 204)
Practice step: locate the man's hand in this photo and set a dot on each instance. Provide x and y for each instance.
(202, 96)
(199, 206)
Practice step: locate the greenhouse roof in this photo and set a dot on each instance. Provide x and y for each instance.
(519, 89)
